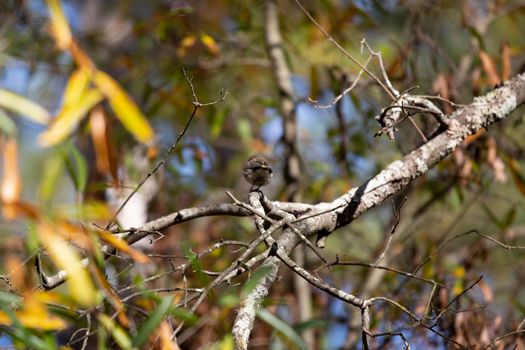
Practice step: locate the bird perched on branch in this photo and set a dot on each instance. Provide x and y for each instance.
(257, 171)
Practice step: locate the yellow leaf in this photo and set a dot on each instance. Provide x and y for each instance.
(77, 85)
(210, 44)
(59, 25)
(123, 246)
(188, 41)
(4, 319)
(459, 272)
(23, 106)
(124, 107)
(65, 258)
(34, 313)
(36, 316)
(68, 118)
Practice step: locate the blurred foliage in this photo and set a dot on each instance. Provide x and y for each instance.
(92, 94)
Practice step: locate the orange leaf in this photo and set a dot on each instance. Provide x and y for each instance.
(486, 291)
(165, 337)
(505, 62)
(125, 109)
(123, 246)
(104, 149)
(11, 185)
(111, 295)
(471, 138)
(517, 175)
(16, 270)
(489, 67)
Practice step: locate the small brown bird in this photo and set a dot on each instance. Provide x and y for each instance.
(257, 171)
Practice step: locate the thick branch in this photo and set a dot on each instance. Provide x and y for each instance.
(484, 111)
(283, 79)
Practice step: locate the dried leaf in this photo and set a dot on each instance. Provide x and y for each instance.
(123, 246)
(517, 175)
(495, 162)
(111, 295)
(486, 290)
(505, 62)
(15, 268)
(11, 183)
(440, 85)
(471, 138)
(164, 333)
(489, 67)
(104, 148)
(124, 107)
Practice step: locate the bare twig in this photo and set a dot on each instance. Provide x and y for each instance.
(196, 106)
(397, 216)
(346, 53)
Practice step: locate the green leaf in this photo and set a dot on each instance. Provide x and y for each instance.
(52, 173)
(118, 333)
(217, 122)
(509, 218)
(7, 298)
(315, 323)
(32, 242)
(228, 300)
(7, 124)
(244, 130)
(77, 168)
(282, 328)
(23, 106)
(185, 315)
(196, 265)
(152, 322)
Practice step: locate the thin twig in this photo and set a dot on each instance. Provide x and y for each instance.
(196, 106)
(397, 215)
(346, 53)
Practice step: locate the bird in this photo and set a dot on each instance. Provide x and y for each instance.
(257, 171)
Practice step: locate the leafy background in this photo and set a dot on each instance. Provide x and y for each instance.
(68, 182)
